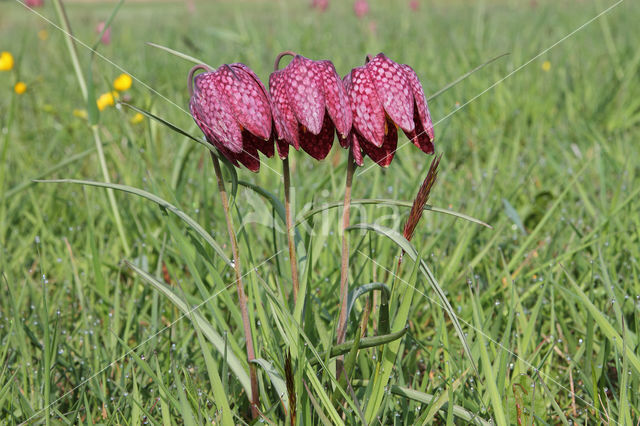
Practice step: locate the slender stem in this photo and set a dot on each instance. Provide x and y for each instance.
(110, 192)
(71, 46)
(242, 297)
(73, 54)
(344, 268)
(276, 64)
(293, 260)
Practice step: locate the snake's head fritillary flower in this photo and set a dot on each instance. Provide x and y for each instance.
(361, 8)
(232, 108)
(385, 96)
(34, 3)
(309, 103)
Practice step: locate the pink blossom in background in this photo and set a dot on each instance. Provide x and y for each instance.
(414, 5)
(34, 3)
(191, 6)
(106, 37)
(373, 27)
(361, 8)
(321, 5)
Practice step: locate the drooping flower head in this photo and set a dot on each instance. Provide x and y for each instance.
(309, 103)
(361, 8)
(106, 36)
(385, 96)
(34, 3)
(233, 110)
(321, 5)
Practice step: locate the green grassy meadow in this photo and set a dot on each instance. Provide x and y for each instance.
(548, 298)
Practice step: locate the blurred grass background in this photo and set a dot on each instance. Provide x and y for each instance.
(548, 158)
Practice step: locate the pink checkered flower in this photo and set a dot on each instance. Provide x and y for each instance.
(309, 105)
(385, 96)
(232, 108)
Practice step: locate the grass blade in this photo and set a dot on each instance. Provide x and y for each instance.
(159, 201)
(235, 364)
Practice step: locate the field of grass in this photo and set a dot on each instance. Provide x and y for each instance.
(548, 156)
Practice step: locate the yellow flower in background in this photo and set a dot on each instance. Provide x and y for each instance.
(136, 119)
(80, 113)
(43, 35)
(20, 88)
(106, 100)
(6, 61)
(122, 83)
(546, 66)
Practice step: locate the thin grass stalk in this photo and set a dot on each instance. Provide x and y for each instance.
(293, 259)
(242, 297)
(344, 267)
(73, 54)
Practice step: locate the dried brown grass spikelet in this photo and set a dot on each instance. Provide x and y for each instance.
(421, 199)
(291, 389)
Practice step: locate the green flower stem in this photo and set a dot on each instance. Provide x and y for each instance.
(73, 54)
(293, 260)
(242, 297)
(344, 268)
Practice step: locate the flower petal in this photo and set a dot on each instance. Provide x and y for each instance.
(303, 86)
(420, 137)
(394, 90)
(420, 103)
(209, 135)
(384, 154)
(368, 113)
(335, 97)
(247, 98)
(318, 146)
(283, 117)
(249, 158)
(355, 148)
(283, 148)
(251, 140)
(216, 115)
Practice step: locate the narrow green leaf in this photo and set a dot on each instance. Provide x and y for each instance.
(170, 126)
(365, 342)
(159, 201)
(276, 380)
(361, 290)
(216, 383)
(385, 201)
(608, 330)
(513, 215)
(489, 374)
(178, 54)
(234, 363)
(16, 189)
(408, 248)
